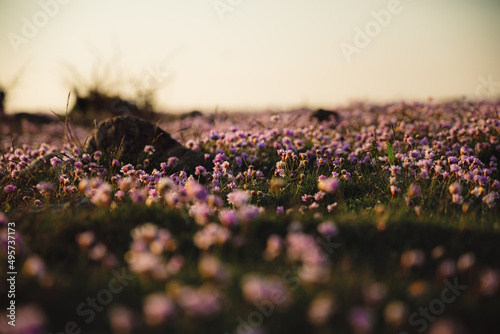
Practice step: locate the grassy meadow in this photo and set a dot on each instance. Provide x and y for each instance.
(382, 219)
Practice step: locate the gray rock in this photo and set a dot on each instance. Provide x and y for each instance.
(124, 138)
(325, 115)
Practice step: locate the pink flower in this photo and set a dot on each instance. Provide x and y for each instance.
(138, 196)
(457, 199)
(477, 191)
(331, 207)
(121, 319)
(395, 190)
(30, 319)
(120, 195)
(85, 239)
(455, 188)
(329, 185)
(413, 258)
(490, 199)
(238, 198)
(201, 213)
(327, 229)
(158, 308)
(228, 218)
(149, 149)
(195, 191)
(395, 312)
(45, 188)
(211, 234)
(34, 266)
(172, 162)
(414, 191)
(321, 309)
(210, 267)
(248, 213)
(102, 195)
(202, 302)
(258, 288)
(489, 282)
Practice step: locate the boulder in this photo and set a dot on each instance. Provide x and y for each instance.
(33, 118)
(325, 115)
(192, 114)
(124, 138)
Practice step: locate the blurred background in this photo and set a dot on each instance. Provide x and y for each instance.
(247, 55)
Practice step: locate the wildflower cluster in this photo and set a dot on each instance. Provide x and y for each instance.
(322, 222)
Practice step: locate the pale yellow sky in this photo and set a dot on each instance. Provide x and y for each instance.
(251, 54)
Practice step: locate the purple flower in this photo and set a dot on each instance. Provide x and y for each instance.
(490, 199)
(55, 161)
(149, 149)
(361, 321)
(395, 170)
(331, 207)
(259, 288)
(10, 188)
(319, 196)
(172, 161)
(200, 171)
(214, 135)
(261, 145)
(138, 195)
(307, 198)
(414, 190)
(195, 191)
(228, 218)
(395, 190)
(248, 213)
(327, 229)
(330, 185)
